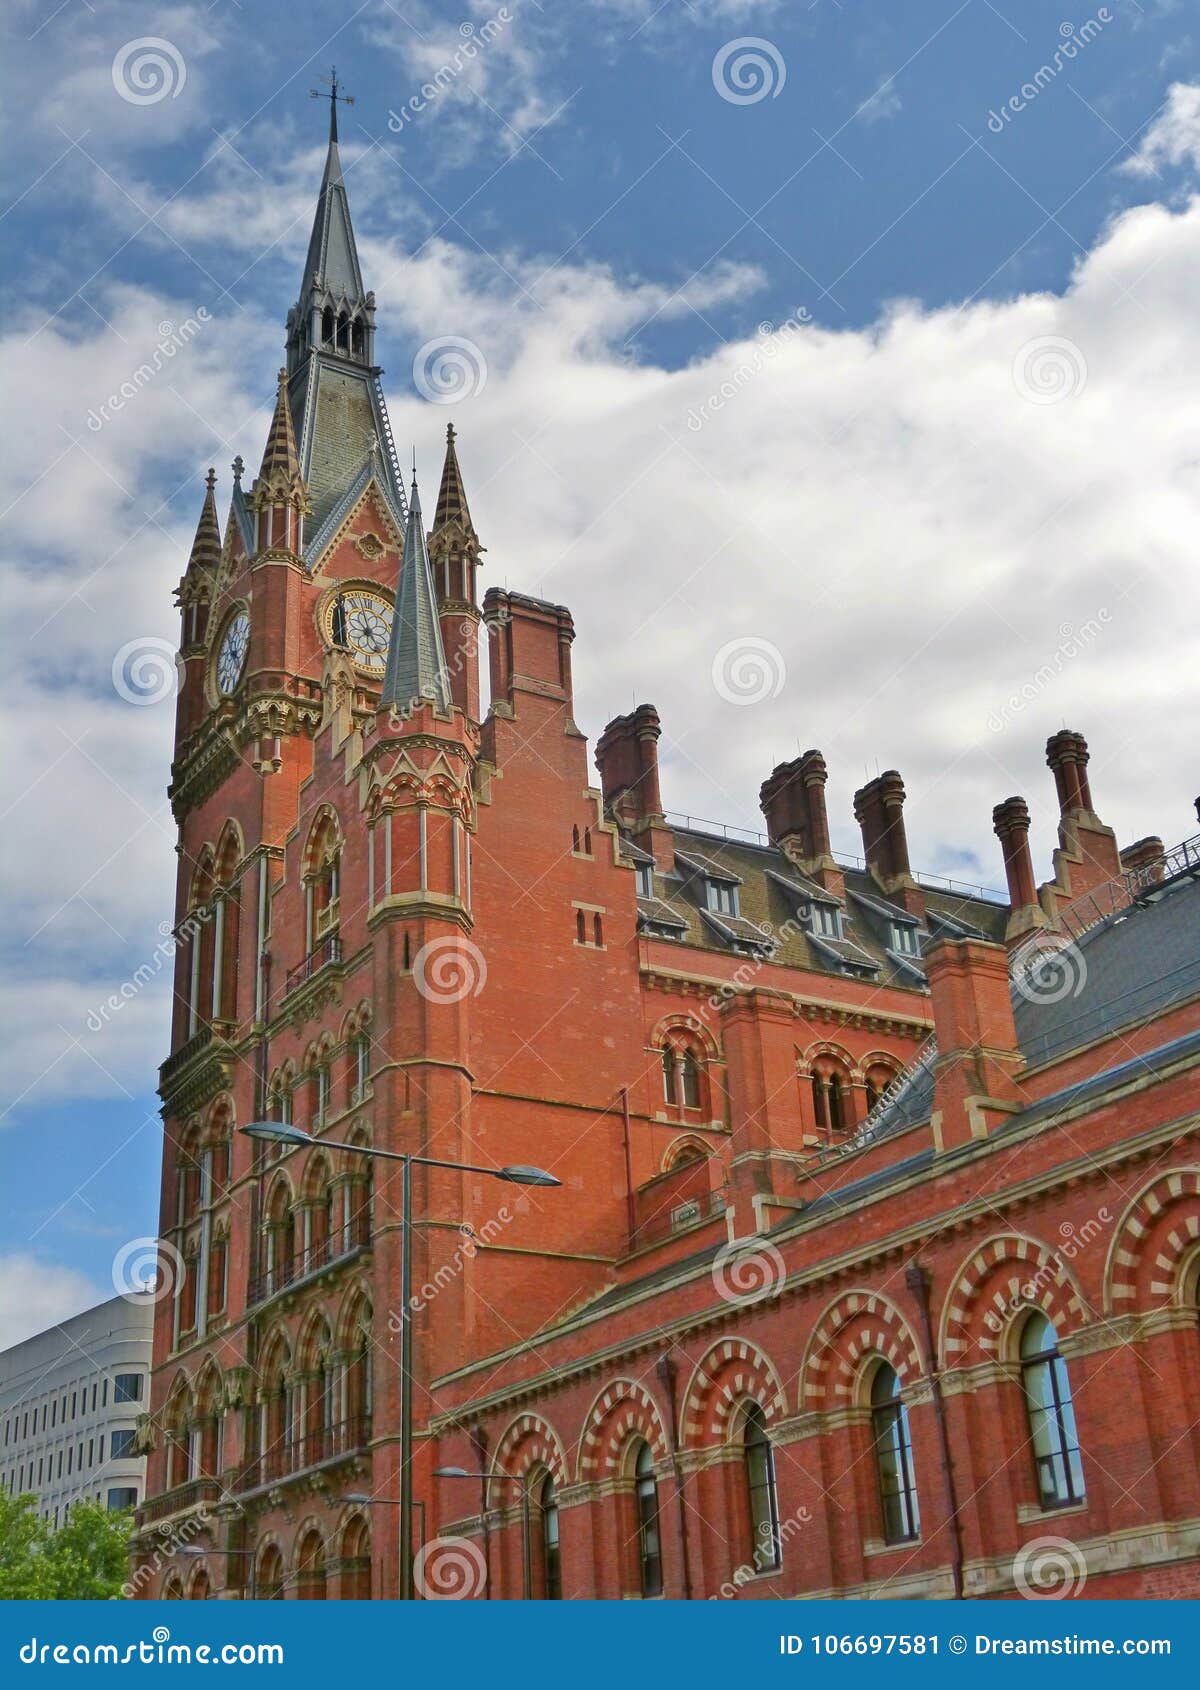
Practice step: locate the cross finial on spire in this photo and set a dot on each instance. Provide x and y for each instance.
(238, 466)
(210, 480)
(333, 96)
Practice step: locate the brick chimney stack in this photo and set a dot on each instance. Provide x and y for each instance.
(1087, 864)
(1011, 823)
(879, 811)
(793, 802)
(1146, 860)
(627, 758)
(978, 1058)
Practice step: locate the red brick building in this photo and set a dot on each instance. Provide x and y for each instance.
(875, 1260)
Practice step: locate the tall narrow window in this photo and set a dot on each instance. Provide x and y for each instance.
(668, 1068)
(645, 1491)
(893, 1458)
(689, 1076)
(761, 1493)
(551, 1566)
(1051, 1415)
(362, 1063)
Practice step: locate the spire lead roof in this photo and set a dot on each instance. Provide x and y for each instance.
(416, 663)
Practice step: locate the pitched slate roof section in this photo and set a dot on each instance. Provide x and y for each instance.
(332, 262)
(416, 663)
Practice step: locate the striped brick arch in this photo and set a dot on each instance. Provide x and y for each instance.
(528, 1442)
(1157, 1233)
(622, 1410)
(854, 1327)
(999, 1279)
(733, 1372)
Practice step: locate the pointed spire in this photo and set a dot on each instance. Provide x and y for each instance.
(206, 547)
(452, 498)
(280, 456)
(332, 276)
(416, 663)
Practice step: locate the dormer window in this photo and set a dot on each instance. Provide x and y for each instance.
(904, 939)
(826, 920)
(645, 879)
(722, 897)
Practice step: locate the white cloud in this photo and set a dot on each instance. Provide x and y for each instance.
(35, 1295)
(1174, 136)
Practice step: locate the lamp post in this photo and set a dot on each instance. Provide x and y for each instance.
(526, 1534)
(279, 1132)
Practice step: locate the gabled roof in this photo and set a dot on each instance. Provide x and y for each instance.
(657, 913)
(737, 930)
(708, 868)
(372, 470)
(803, 889)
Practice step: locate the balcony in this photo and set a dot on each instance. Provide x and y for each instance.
(328, 951)
(303, 1452)
(306, 1264)
(179, 1500)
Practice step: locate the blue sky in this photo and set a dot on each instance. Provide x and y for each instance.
(944, 495)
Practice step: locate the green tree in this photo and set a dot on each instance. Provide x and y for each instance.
(87, 1559)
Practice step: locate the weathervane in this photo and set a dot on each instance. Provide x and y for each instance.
(331, 82)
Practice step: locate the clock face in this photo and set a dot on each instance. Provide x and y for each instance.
(231, 658)
(360, 622)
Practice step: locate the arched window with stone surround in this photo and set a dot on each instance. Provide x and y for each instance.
(893, 1457)
(762, 1496)
(199, 930)
(317, 1407)
(226, 925)
(310, 1567)
(645, 1518)
(685, 1073)
(356, 1560)
(1053, 1436)
(274, 1432)
(279, 1237)
(210, 1412)
(177, 1420)
(269, 1574)
(878, 1075)
(833, 1107)
(316, 1214)
(354, 1344)
(322, 879)
(544, 1530)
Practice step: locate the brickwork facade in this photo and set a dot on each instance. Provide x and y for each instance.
(874, 1261)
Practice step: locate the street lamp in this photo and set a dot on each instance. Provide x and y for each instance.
(280, 1132)
(526, 1535)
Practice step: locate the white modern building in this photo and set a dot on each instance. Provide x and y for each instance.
(69, 1402)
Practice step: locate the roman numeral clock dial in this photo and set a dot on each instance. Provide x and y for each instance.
(360, 621)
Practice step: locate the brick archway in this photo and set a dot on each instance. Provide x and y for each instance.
(623, 1409)
(527, 1442)
(1156, 1234)
(732, 1372)
(1008, 1273)
(856, 1325)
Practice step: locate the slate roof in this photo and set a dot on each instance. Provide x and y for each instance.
(771, 892)
(1129, 968)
